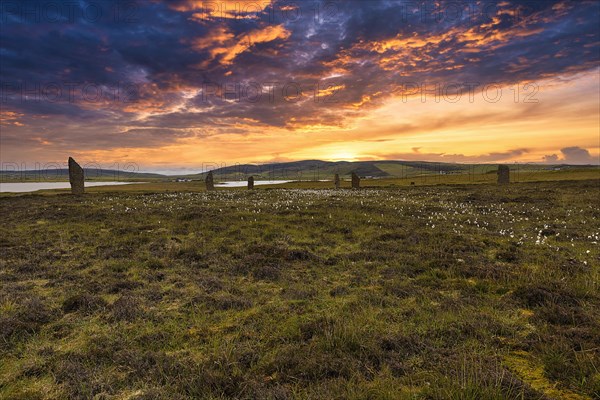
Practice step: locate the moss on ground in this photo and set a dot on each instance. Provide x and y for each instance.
(464, 292)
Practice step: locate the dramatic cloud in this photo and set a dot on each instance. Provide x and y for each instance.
(577, 155)
(223, 43)
(105, 75)
(573, 155)
(551, 159)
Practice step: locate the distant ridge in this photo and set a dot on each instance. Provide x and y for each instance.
(294, 170)
(317, 169)
(307, 167)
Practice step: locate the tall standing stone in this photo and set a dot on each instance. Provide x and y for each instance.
(336, 180)
(355, 181)
(503, 175)
(251, 183)
(76, 177)
(210, 182)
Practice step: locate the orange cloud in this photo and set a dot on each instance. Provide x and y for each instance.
(407, 52)
(219, 34)
(10, 118)
(222, 44)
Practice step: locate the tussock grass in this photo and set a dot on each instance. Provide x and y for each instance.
(447, 292)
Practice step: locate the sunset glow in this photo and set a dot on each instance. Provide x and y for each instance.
(239, 82)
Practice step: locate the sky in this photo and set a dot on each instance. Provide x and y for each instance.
(175, 86)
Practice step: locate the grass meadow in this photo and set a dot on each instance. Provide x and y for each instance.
(395, 291)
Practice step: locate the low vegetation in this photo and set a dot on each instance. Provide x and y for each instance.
(445, 292)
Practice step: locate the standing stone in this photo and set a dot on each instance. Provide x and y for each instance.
(210, 182)
(251, 183)
(503, 175)
(76, 177)
(336, 180)
(355, 181)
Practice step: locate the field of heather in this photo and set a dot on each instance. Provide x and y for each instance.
(425, 292)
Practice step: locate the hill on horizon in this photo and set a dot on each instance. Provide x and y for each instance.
(317, 169)
(293, 170)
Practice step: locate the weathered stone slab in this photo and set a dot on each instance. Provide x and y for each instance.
(336, 181)
(355, 181)
(210, 182)
(251, 183)
(503, 175)
(76, 177)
